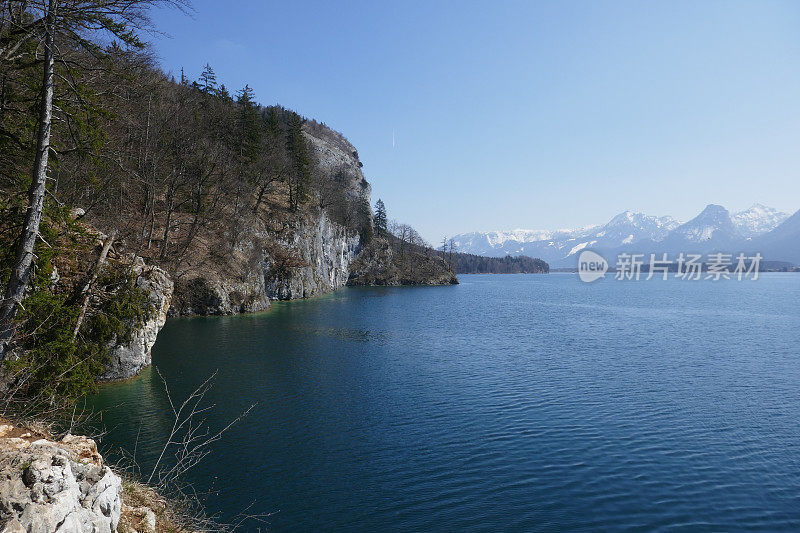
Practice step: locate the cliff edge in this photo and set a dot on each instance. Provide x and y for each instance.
(388, 261)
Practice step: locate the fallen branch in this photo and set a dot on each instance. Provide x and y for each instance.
(86, 290)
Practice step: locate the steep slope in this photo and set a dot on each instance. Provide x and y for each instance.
(287, 255)
(128, 358)
(323, 252)
(282, 251)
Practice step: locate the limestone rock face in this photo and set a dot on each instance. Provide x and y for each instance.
(55, 487)
(289, 257)
(324, 251)
(305, 258)
(126, 360)
(201, 296)
(335, 154)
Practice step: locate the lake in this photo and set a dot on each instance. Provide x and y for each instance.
(506, 403)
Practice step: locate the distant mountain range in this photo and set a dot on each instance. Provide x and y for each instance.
(774, 234)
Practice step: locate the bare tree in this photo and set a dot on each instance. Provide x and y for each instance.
(273, 166)
(190, 438)
(23, 258)
(331, 191)
(79, 23)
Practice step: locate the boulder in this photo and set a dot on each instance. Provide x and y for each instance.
(55, 486)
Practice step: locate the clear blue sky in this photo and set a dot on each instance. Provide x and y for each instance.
(526, 114)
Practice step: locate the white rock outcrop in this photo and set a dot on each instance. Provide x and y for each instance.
(127, 360)
(55, 486)
(326, 250)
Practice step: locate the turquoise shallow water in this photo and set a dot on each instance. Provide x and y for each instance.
(516, 403)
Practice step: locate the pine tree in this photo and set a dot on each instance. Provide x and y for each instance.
(273, 123)
(364, 221)
(250, 126)
(380, 217)
(208, 80)
(247, 144)
(246, 97)
(223, 94)
(272, 161)
(301, 162)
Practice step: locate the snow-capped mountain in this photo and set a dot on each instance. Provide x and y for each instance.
(713, 223)
(714, 229)
(630, 227)
(500, 243)
(757, 220)
(559, 246)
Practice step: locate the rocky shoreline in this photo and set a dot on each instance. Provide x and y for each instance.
(300, 257)
(50, 485)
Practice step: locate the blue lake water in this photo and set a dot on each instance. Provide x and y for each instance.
(515, 403)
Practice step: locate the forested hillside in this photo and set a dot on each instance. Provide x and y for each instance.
(171, 166)
(119, 182)
(477, 264)
(176, 172)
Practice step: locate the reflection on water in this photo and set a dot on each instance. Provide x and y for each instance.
(347, 334)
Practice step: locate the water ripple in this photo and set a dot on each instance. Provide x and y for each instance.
(510, 403)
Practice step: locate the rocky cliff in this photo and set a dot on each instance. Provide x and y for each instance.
(323, 252)
(282, 256)
(287, 255)
(127, 359)
(211, 296)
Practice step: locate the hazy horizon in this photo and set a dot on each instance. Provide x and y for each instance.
(495, 117)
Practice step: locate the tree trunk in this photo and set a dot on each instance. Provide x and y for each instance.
(152, 229)
(143, 171)
(193, 228)
(23, 259)
(86, 291)
(170, 205)
(266, 182)
(152, 222)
